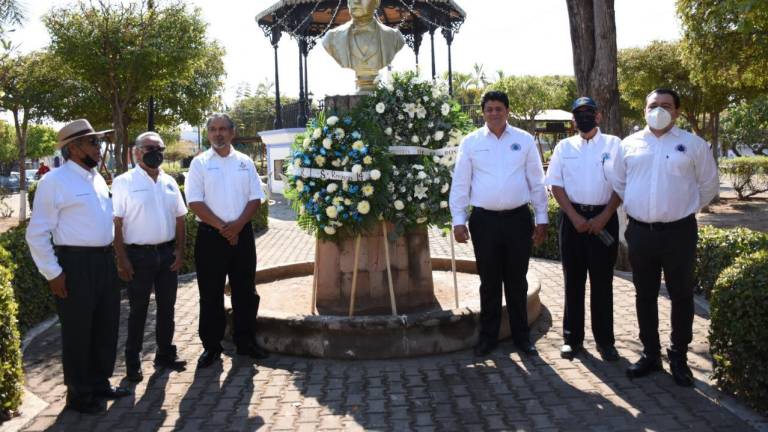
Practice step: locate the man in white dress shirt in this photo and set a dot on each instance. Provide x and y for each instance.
(664, 175)
(72, 206)
(149, 245)
(224, 191)
(498, 172)
(579, 174)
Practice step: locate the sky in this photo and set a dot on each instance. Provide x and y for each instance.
(520, 37)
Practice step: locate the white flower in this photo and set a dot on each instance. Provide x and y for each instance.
(436, 159)
(421, 220)
(399, 93)
(431, 124)
(367, 190)
(367, 160)
(332, 187)
(363, 207)
(388, 131)
(435, 92)
(422, 175)
(400, 117)
(329, 230)
(316, 197)
(327, 142)
(449, 159)
(299, 185)
(306, 143)
(336, 163)
(388, 85)
(443, 204)
(358, 145)
(332, 120)
(336, 201)
(347, 201)
(357, 169)
(410, 109)
(423, 206)
(418, 167)
(426, 98)
(317, 133)
(439, 135)
(297, 162)
(445, 109)
(339, 133)
(399, 205)
(320, 160)
(380, 107)
(344, 185)
(375, 174)
(420, 191)
(331, 212)
(445, 188)
(421, 112)
(415, 139)
(410, 125)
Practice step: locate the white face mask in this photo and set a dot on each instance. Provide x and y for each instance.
(658, 118)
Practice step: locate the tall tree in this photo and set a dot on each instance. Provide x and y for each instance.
(593, 38)
(121, 53)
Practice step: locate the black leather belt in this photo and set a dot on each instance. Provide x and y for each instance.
(522, 208)
(151, 247)
(588, 207)
(91, 249)
(663, 226)
(206, 227)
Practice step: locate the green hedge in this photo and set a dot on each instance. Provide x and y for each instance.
(550, 249)
(747, 175)
(718, 248)
(11, 372)
(30, 287)
(738, 335)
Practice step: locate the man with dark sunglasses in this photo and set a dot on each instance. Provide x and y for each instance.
(149, 245)
(72, 206)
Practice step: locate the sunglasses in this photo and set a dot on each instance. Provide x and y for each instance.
(92, 141)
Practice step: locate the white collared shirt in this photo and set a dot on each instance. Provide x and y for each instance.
(664, 179)
(224, 184)
(148, 208)
(72, 205)
(584, 168)
(498, 174)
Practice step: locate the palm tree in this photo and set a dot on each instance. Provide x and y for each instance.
(479, 78)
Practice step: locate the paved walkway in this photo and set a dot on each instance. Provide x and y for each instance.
(448, 392)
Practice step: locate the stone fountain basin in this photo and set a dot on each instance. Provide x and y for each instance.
(286, 325)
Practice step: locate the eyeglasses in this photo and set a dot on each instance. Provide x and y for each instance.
(93, 141)
(150, 149)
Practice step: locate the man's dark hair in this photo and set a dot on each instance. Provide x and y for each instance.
(494, 95)
(666, 91)
(217, 116)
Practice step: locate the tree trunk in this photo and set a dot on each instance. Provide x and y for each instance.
(593, 38)
(21, 140)
(120, 138)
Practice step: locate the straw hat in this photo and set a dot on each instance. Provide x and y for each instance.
(77, 129)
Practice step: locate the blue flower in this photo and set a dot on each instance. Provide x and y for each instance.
(356, 135)
(345, 216)
(306, 161)
(337, 154)
(364, 151)
(347, 120)
(322, 151)
(353, 189)
(306, 188)
(325, 129)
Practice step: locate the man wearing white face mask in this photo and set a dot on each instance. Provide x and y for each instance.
(664, 175)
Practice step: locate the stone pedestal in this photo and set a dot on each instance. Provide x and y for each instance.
(411, 268)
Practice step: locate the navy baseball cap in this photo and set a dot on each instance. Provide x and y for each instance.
(583, 101)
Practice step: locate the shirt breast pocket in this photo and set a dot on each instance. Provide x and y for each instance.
(572, 167)
(678, 164)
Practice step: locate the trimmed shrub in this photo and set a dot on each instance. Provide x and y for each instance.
(748, 175)
(11, 372)
(718, 248)
(30, 288)
(550, 249)
(738, 333)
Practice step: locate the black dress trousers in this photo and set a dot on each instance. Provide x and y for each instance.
(216, 260)
(502, 243)
(671, 248)
(583, 255)
(89, 317)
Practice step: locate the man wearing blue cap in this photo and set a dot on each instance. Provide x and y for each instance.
(579, 175)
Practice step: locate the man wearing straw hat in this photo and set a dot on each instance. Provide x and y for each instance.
(224, 191)
(72, 205)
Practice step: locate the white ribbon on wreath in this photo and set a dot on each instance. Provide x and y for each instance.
(325, 174)
(417, 150)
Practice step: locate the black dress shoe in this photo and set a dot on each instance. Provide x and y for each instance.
(608, 353)
(85, 406)
(171, 363)
(134, 375)
(113, 392)
(207, 358)
(526, 348)
(569, 351)
(484, 348)
(253, 351)
(678, 365)
(644, 366)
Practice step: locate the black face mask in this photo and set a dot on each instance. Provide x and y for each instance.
(153, 159)
(585, 120)
(89, 161)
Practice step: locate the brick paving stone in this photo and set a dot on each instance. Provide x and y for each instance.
(448, 392)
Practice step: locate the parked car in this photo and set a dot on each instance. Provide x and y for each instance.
(11, 182)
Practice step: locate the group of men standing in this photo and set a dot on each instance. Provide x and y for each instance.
(662, 174)
(84, 237)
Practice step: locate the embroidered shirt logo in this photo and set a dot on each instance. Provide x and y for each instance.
(605, 157)
(242, 164)
(170, 187)
(680, 148)
(515, 147)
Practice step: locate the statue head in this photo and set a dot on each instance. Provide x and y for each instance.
(362, 11)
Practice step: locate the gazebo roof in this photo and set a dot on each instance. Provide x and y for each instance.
(310, 19)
